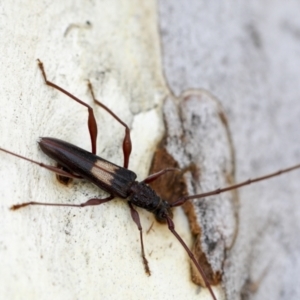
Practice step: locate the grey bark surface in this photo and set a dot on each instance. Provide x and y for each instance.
(247, 54)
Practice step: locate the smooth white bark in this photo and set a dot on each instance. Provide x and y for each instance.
(91, 253)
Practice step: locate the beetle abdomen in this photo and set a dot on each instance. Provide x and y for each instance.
(106, 175)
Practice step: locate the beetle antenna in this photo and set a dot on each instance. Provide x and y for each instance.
(191, 255)
(182, 200)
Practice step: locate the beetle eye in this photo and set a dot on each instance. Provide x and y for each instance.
(162, 213)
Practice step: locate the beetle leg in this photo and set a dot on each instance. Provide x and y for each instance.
(56, 170)
(93, 201)
(136, 218)
(154, 176)
(92, 124)
(127, 146)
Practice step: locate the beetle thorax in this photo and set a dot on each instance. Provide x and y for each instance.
(145, 197)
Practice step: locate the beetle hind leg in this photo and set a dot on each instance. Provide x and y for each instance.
(127, 145)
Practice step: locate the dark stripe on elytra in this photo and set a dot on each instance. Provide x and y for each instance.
(99, 171)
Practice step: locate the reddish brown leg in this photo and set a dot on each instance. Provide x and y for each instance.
(92, 124)
(136, 218)
(90, 202)
(58, 171)
(127, 146)
(93, 201)
(154, 176)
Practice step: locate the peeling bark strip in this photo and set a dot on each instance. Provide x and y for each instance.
(197, 140)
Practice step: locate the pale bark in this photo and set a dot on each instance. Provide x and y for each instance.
(245, 55)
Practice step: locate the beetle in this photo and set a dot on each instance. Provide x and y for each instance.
(116, 180)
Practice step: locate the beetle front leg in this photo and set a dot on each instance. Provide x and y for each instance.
(136, 218)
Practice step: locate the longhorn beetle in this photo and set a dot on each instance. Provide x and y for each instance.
(115, 180)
